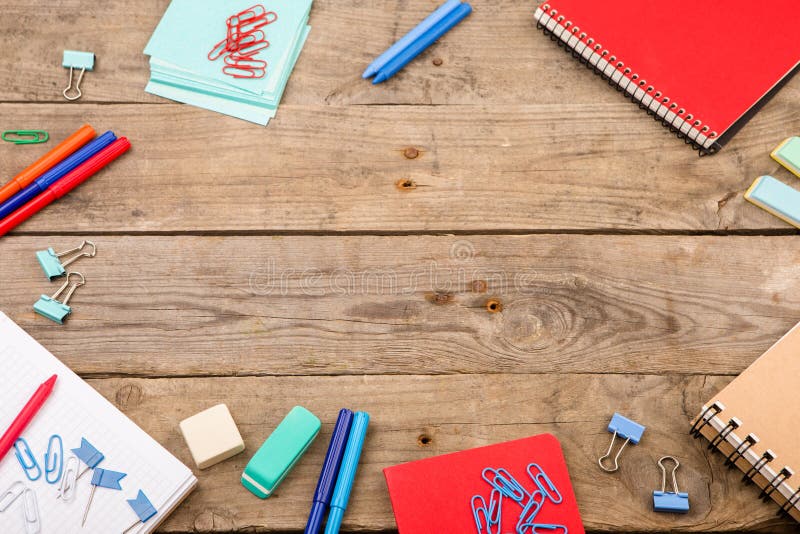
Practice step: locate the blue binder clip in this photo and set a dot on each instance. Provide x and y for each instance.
(51, 263)
(624, 428)
(670, 501)
(54, 309)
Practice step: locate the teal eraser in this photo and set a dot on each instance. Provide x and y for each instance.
(78, 60)
(283, 448)
(777, 198)
(788, 154)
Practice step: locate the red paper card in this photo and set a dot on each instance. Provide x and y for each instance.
(433, 496)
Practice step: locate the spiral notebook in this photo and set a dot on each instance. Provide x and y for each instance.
(75, 410)
(700, 68)
(755, 423)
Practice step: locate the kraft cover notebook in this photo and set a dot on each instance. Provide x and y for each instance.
(700, 68)
(755, 423)
(73, 411)
(435, 494)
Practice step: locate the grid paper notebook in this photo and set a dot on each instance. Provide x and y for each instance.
(754, 422)
(75, 410)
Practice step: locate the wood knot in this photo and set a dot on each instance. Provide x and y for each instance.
(479, 286)
(494, 306)
(406, 184)
(423, 440)
(128, 396)
(411, 153)
(437, 61)
(440, 299)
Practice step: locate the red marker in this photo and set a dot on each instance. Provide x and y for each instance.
(26, 415)
(66, 184)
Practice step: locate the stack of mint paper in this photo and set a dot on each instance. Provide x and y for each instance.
(180, 69)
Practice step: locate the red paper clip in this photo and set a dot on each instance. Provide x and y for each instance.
(243, 72)
(243, 40)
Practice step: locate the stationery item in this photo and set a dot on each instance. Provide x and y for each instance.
(59, 171)
(87, 454)
(488, 517)
(212, 436)
(104, 478)
(626, 429)
(13, 493)
(51, 263)
(26, 415)
(69, 145)
(27, 460)
(280, 452)
(414, 49)
(672, 65)
(54, 309)
(33, 522)
(179, 55)
(330, 471)
(670, 501)
(54, 459)
(76, 60)
(788, 154)
(777, 198)
(69, 482)
(25, 137)
(753, 423)
(75, 410)
(347, 472)
(143, 509)
(434, 494)
(418, 31)
(66, 184)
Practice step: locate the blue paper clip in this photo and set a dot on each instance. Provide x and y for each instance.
(541, 528)
(492, 513)
(530, 511)
(544, 483)
(28, 464)
(626, 429)
(54, 461)
(670, 501)
(506, 484)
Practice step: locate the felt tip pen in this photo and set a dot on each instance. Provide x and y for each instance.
(83, 135)
(26, 415)
(421, 44)
(347, 473)
(56, 173)
(330, 470)
(63, 186)
(410, 37)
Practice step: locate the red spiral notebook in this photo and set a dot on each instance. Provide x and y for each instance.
(434, 496)
(700, 68)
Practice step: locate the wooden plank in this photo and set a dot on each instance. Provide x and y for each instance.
(413, 305)
(454, 413)
(518, 168)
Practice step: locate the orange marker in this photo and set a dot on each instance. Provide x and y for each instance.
(69, 145)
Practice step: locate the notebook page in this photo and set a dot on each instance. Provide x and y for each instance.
(75, 410)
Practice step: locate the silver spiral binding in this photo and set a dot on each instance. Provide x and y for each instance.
(659, 106)
(766, 458)
(782, 475)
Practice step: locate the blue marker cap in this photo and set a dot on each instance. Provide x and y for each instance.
(347, 473)
(330, 469)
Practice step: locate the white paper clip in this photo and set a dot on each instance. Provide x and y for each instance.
(33, 523)
(76, 60)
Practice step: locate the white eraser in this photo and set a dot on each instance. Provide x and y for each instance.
(212, 436)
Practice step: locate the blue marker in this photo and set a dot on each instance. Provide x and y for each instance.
(420, 45)
(431, 21)
(56, 173)
(330, 468)
(344, 483)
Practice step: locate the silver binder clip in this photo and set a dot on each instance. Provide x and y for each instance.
(623, 427)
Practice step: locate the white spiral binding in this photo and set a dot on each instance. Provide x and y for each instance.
(629, 82)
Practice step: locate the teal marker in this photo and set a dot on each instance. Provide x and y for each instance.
(347, 473)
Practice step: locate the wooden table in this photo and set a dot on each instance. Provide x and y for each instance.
(345, 256)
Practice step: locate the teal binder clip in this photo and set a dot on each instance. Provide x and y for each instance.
(670, 501)
(76, 60)
(51, 263)
(54, 309)
(628, 430)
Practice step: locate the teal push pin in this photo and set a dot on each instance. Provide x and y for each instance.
(51, 263)
(54, 310)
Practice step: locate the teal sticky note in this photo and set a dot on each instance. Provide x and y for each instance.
(280, 452)
(777, 198)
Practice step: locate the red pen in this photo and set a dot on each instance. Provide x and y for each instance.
(26, 415)
(66, 184)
